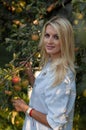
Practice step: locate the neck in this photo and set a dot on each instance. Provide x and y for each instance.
(55, 58)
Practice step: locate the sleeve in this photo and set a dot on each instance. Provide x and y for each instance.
(60, 102)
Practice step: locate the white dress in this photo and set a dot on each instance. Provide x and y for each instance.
(56, 102)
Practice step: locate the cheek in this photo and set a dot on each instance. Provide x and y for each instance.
(45, 40)
(58, 46)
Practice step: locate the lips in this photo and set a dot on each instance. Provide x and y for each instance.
(49, 47)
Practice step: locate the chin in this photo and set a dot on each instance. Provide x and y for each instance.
(50, 53)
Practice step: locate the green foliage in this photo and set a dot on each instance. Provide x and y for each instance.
(80, 36)
(13, 84)
(20, 28)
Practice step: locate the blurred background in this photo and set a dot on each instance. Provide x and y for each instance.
(21, 22)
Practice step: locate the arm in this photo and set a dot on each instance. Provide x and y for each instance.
(20, 105)
(40, 117)
(29, 72)
(60, 101)
(31, 77)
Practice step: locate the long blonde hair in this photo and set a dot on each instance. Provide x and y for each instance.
(66, 37)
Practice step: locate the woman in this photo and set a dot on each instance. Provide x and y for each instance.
(52, 101)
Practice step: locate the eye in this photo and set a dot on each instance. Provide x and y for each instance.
(56, 37)
(47, 35)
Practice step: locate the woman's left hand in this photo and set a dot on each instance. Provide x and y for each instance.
(20, 105)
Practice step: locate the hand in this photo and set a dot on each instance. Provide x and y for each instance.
(28, 68)
(20, 105)
(28, 71)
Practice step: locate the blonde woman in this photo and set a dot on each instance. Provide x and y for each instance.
(51, 106)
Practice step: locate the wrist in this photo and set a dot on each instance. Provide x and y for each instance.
(29, 111)
(25, 109)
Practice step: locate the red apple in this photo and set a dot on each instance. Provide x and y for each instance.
(16, 79)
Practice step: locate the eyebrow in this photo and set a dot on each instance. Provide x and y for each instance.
(48, 33)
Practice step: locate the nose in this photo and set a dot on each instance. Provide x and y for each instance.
(50, 39)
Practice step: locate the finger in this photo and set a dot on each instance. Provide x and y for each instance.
(17, 109)
(22, 101)
(16, 104)
(14, 100)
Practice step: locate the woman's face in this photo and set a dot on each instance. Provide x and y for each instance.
(51, 41)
